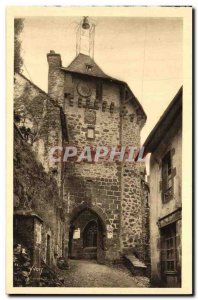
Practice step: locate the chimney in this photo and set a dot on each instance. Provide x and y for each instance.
(54, 59)
(55, 77)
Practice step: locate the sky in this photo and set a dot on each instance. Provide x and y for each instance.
(144, 52)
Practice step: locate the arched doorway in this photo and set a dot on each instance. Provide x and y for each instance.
(87, 236)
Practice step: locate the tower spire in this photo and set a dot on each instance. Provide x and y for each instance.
(85, 37)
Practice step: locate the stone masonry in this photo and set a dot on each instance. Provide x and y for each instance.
(113, 190)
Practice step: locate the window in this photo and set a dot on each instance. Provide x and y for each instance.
(168, 248)
(167, 178)
(89, 67)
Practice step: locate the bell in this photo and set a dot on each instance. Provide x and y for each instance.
(85, 24)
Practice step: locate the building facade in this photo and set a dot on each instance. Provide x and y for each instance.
(165, 145)
(103, 111)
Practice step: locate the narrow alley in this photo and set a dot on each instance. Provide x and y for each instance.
(88, 273)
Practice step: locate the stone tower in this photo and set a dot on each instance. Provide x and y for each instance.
(104, 202)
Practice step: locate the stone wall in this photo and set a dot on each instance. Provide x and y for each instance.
(39, 119)
(36, 194)
(39, 125)
(132, 196)
(95, 184)
(96, 192)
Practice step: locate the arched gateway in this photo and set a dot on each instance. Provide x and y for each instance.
(87, 235)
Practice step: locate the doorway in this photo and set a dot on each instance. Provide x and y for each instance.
(90, 234)
(86, 237)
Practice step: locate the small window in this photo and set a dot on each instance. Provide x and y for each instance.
(89, 67)
(90, 133)
(167, 178)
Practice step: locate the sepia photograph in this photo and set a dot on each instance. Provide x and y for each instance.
(99, 122)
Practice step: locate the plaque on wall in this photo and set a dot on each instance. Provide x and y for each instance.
(90, 116)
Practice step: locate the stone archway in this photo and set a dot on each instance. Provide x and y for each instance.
(87, 237)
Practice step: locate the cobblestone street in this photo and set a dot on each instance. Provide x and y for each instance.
(88, 273)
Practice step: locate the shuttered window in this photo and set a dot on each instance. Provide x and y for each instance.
(167, 178)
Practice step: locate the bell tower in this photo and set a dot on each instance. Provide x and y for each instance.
(85, 37)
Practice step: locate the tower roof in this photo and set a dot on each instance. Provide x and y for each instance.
(84, 64)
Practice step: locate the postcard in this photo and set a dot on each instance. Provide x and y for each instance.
(99, 159)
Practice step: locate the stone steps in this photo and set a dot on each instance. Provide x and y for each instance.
(89, 253)
(136, 266)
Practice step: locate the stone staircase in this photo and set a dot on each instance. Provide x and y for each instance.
(89, 253)
(136, 266)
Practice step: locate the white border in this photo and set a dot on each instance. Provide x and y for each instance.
(2, 77)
